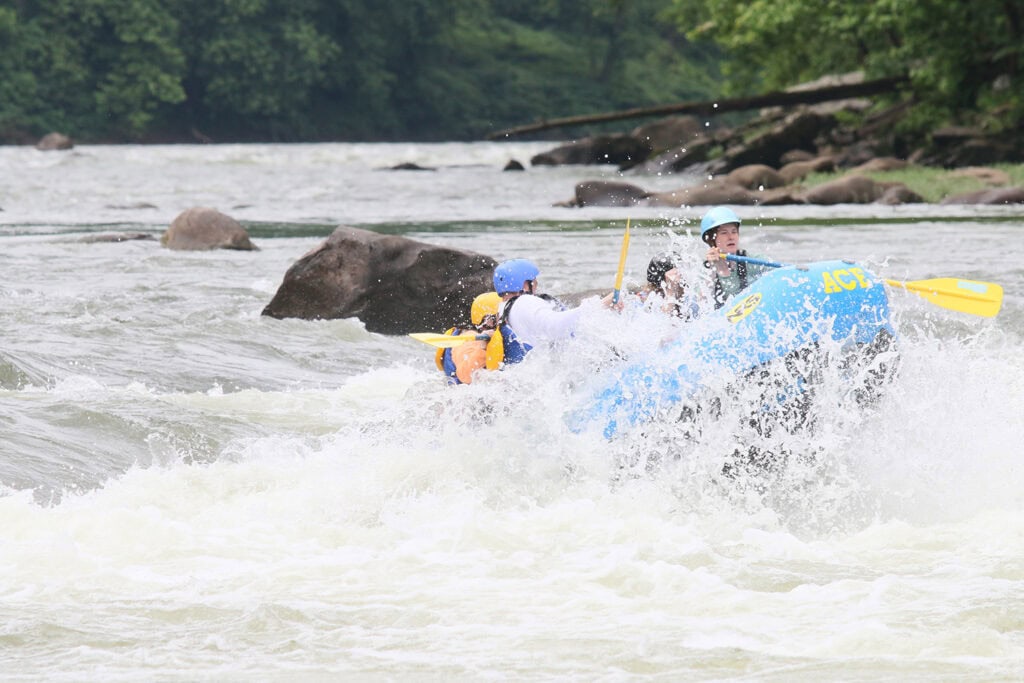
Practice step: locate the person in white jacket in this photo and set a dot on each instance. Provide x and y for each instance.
(534, 318)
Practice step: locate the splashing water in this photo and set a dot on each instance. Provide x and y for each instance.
(194, 492)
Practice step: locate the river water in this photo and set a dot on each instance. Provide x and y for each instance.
(190, 491)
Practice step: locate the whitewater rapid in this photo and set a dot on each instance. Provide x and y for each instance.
(191, 491)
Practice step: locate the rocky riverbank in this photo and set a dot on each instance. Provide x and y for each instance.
(766, 160)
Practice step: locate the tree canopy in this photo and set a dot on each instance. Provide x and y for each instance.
(291, 70)
(122, 70)
(963, 58)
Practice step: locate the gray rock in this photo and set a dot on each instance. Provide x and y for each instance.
(848, 189)
(669, 132)
(607, 193)
(54, 141)
(706, 194)
(393, 284)
(676, 159)
(600, 149)
(755, 176)
(898, 193)
(201, 228)
(798, 170)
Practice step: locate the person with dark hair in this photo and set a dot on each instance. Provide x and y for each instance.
(666, 291)
(720, 230)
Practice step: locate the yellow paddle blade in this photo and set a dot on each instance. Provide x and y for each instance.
(443, 341)
(967, 296)
(622, 264)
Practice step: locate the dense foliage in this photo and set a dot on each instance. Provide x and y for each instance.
(965, 58)
(457, 69)
(150, 70)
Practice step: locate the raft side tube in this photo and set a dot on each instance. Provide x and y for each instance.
(783, 311)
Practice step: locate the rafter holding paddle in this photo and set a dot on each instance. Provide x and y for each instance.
(448, 341)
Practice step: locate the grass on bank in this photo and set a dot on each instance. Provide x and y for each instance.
(933, 184)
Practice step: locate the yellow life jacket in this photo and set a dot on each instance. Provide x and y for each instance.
(495, 356)
(439, 356)
(472, 355)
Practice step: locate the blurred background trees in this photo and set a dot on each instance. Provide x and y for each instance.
(312, 70)
(964, 59)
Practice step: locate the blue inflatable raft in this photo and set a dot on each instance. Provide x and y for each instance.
(787, 312)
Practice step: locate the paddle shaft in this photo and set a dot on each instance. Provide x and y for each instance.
(622, 264)
(754, 261)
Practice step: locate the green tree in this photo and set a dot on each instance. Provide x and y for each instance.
(104, 66)
(19, 99)
(331, 69)
(506, 62)
(252, 64)
(305, 69)
(953, 51)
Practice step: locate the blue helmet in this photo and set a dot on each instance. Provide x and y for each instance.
(510, 276)
(720, 215)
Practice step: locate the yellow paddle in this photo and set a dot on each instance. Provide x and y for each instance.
(622, 264)
(445, 341)
(966, 296)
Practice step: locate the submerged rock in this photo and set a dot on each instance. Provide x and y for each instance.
(117, 237)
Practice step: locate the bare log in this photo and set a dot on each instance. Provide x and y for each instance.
(710, 107)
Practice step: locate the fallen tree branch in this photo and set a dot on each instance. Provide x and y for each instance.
(707, 108)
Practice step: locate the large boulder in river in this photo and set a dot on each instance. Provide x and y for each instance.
(606, 193)
(201, 228)
(600, 149)
(393, 284)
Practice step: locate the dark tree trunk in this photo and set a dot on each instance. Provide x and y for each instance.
(775, 99)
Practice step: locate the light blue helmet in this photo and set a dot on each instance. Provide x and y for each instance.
(510, 276)
(720, 215)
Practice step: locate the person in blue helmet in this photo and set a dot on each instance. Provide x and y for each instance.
(720, 230)
(531, 317)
